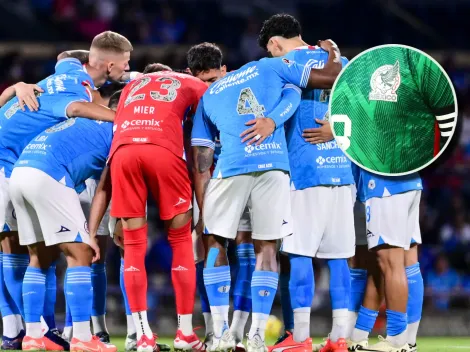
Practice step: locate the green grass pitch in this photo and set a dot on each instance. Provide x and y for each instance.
(425, 344)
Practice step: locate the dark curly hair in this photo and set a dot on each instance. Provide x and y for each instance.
(156, 67)
(114, 100)
(109, 89)
(203, 57)
(282, 25)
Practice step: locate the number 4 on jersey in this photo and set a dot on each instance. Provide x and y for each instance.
(248, 104)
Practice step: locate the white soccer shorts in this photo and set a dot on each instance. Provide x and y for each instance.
(46, 209)
(267, 196)
(86, 197)
(7, 212)
(393, 220)
(323, 223)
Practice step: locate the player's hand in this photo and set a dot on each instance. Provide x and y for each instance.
(320, 134)
(327, 44)
(96, 249)
(262, 128)
(199, 228)
(26, 94)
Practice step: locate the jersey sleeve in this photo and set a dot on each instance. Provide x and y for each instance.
(63, 101)
(291, 71)
(290, 101)
(438, 95)
(67, 65)
(204, 131)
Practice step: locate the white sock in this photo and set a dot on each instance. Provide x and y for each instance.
(220, 319)
(82, 331)
(185, 324)
(398, 340)
(340, 324)
(237, 328)
(359, 335)
(44, 326)
(142, 324)
(130, 325)
(413, 332)
(301, 324)
(258, 325)
(99, 324)
(352, 318)
(208, 322)
(68, 332)
(34, 330)
(11, 328)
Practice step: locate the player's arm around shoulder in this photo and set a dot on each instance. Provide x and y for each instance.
(90, 110)
(325, 78)
(26, 94)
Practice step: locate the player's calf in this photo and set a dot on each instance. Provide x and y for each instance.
(99, 283)
(415, 294)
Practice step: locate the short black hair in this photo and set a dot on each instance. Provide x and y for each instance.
(109, 89)
(282, 25)
(204, 57)
(156, 67)
(114, 100)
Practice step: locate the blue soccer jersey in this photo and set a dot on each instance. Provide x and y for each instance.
(69, 84)
(323, 163)
(71, 151)
(254, 90)
(370, 185)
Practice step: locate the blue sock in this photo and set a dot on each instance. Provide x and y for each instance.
(68, 315)
(98, 280)
(358, 288)
(123, 288)
(34, 294)
(396, 322)
(366, 319)
(340, 283)
(79, 293)
(14, 268)
(217, 282)
(201, 289)
(7, 306)
(263, 291)
(415, 293)
(51, 296)
(302, 281)
(246, 266)
(287, 312)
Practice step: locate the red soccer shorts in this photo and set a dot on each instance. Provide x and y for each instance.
(138, 168)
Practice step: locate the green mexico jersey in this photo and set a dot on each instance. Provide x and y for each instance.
(393, 109)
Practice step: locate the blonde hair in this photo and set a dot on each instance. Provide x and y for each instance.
(112, 41)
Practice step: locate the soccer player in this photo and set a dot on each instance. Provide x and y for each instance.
(254, 174)
(148, 126)
(321, 182)
(205, 63)
(59, 160)
(392, 220)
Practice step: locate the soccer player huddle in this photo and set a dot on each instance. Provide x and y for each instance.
(271, 191)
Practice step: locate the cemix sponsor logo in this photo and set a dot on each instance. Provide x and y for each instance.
(152, 124)
(329, 161)
(249, 149)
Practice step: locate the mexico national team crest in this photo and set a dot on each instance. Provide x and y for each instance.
(385, 82)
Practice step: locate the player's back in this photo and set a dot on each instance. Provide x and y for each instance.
(18, 128)
(71, 151)
(153, 107)
(322, 163)
(369, 185)
(394, 95)
(252, 91)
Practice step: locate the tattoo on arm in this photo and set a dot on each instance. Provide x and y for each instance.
(204, 158)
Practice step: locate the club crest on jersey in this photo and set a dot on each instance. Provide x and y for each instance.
(288, 62)
(385, 82)
(61, 126)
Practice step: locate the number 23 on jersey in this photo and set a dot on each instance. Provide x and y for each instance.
(167, 92)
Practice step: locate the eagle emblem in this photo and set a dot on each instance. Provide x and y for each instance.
(384, 83)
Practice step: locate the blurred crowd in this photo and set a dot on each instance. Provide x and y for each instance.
(445, 205)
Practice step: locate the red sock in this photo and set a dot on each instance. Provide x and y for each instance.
(135, 276)
(183, 269)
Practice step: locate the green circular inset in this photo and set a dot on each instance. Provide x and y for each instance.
(393, 110)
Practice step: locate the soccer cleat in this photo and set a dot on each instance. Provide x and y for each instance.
(103, 336)
(226, 343)
(240, 347)
(187, 343)
(13, 343)
(131, 343)
(413, 348)
(146, 344)
(287, 343)
(282, 337)
(40, 344)
(208, 340)
(256, 344)
(54, 336)
(339, 346)
(357, 346)
(94, 345)
(163, 347)
(385, 346)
